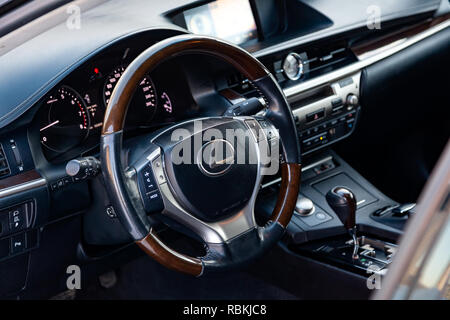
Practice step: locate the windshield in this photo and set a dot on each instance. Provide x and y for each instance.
(7, 5)
(16, 13)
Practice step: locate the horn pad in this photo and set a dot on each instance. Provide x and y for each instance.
(212, 173)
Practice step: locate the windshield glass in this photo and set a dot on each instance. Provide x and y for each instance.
(7, 5)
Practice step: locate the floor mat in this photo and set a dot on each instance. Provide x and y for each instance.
(145, 279)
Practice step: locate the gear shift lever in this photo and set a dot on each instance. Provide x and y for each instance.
(343, 203)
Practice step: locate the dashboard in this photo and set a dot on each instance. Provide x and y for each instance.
(69, 116)
(53, 101)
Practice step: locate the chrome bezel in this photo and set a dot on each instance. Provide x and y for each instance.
(301, 68)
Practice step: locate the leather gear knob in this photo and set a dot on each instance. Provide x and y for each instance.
(343, 203)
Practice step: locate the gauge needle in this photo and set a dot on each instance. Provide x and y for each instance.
(50, 125)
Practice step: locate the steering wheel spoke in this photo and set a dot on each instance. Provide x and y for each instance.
(210, 232)
(268, 139)
(209, 182)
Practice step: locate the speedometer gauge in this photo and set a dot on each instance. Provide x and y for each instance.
(143, 105)
(66, 122)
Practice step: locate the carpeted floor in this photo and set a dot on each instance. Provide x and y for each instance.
(145, 279)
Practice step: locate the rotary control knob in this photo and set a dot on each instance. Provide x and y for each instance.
(352, 100)
(293, 66)
(304, 207)
(83, 168)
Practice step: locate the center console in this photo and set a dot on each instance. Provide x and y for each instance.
(327, 114)
(316, 230)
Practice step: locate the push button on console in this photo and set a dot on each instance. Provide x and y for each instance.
(315, 116)
(17, 218)
(18, 243)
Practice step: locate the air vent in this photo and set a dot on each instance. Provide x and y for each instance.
(4, 167)
(323, 58)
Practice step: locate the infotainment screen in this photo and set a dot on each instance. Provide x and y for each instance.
(231, 20)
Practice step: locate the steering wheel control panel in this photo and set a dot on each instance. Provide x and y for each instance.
(150, 176)
(326, 114)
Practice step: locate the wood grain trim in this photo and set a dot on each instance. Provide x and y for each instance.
(116, 111)
(288, 194)
(18, 179)
(168, 258)
(365, 48)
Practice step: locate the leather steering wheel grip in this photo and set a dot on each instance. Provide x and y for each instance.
(111, 141)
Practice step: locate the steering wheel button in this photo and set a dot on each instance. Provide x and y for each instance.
(149, 180)
(153, 196)
(150, 186)
(154, 202)
(158, 170)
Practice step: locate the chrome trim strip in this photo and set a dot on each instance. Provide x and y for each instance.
(309, 166)
(172, 252)
(312, 165)
(271, 183)
(22, 187)
(366, 60)
(361, 202)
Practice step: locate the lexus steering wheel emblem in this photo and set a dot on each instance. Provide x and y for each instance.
(215, 157)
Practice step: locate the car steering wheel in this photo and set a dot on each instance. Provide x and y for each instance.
(214, 200)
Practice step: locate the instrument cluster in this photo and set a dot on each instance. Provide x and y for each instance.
(71, 116)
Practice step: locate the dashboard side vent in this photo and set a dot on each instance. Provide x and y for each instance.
(4, 167)
(322, 58)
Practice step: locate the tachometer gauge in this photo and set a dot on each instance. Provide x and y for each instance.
(66, 123)
(166, 102)
(143, 106)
